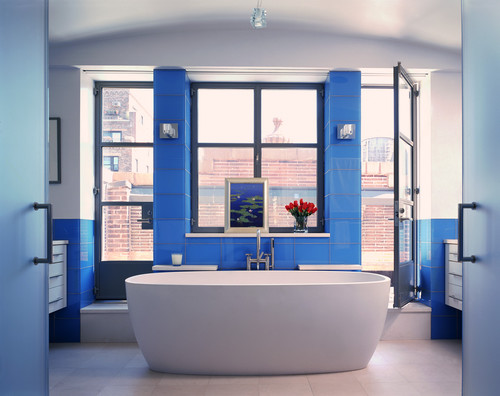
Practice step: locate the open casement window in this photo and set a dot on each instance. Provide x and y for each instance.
(405, 208)
(124, 185)
(272, 131)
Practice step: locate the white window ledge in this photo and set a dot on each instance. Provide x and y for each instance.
(263, 235)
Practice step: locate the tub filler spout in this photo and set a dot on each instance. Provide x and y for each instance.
(261, 257)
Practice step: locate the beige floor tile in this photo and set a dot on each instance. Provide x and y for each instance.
(180, 390)
(338, 389)
(130, 390)
(232, 390)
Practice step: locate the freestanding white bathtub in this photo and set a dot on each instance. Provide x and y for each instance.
(257, 322)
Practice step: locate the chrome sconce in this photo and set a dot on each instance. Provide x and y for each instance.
(346, 131)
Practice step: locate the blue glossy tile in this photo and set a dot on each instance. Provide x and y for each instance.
(87, 298)
(201, 240)
(347, 150)
(311, 241)
(439, 308)
(187, 183)
(73, 256)
(443, 229)
(284, 257)
(345, 253)
(203, 254)
(187, 158)
(169, 206)
(283, 241)
(169, 181)
(327, 131)
(345, 108)
(169, 231)
(343, 182)
(185, 137)
(170, 81)
(66, 229)
(234, 255)
(437, 254)
(67, 330)
(72, 309)
(163, 252)
(425, 253)
(73, 280)
(437, 279)
(343, 163)
(345, 231)
(344, 83)
(425, 278)
(242, 240)
(86, 279)
(86, 255)
(424, 230)
(170, 156)
(87, 231)
(426, 297)
(187, 209)
(343, 206)
(312, 254)
(170, 107)
(444, 327)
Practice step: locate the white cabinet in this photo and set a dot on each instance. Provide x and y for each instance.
(57, 276)
(453, 275)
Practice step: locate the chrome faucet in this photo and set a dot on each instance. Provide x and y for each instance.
(261, 257)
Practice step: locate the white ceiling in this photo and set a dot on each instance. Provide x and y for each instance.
(429, 22)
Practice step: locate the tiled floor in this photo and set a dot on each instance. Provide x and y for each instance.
(402, 368)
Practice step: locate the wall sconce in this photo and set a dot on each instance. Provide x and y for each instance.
(169, 131)
(346, 131)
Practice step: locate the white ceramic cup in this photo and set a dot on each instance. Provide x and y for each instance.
(176, 258)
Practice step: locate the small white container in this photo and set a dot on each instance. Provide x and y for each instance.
(176, 258)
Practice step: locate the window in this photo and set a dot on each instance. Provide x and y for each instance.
(124, 176)
(377, 179)
(111, 162)
(257, 130)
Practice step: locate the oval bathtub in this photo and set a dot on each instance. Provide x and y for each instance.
(257, 322)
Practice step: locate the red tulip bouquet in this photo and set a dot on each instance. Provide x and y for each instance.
(301, 211)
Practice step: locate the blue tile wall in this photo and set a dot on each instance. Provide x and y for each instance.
(172, 184)
(445, 321)
(343, 167)
(64, 325)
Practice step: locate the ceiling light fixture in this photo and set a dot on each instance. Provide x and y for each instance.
(258, 18)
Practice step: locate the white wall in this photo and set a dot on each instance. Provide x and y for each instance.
(252, 48)
(64, 102)
(87, 125)
(446, 141)
(71, 98)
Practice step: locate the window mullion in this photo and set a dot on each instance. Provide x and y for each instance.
(257, 133)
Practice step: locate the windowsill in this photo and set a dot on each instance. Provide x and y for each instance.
(263, 235)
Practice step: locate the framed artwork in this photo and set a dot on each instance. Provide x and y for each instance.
(245, 206)
(54, 150)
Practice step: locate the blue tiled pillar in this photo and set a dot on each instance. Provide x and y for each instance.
(172, 159)
(64, 325)
(445, 320)
(343, 167)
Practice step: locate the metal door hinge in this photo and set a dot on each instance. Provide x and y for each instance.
(192, 91)
(96, 290)
(417, 190)
(322, 93)
(95, 191)
(192, 222)
(96, 92)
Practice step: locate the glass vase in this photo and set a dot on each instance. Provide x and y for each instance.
(300, 224)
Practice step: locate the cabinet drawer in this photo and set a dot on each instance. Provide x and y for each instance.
(455, 291)
(56, 269)
(58, 249)
(453, 248)
(56, 293)
(455, 279)
(453, 256)
(453, 302)
(56, 281)
(58, 258)
(455, 267)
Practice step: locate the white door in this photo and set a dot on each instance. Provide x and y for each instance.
(23, 144)
(481, 183)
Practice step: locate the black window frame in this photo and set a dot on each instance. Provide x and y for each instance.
(258, 145)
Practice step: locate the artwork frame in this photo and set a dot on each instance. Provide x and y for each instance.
(54, 150)
(237, 193)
